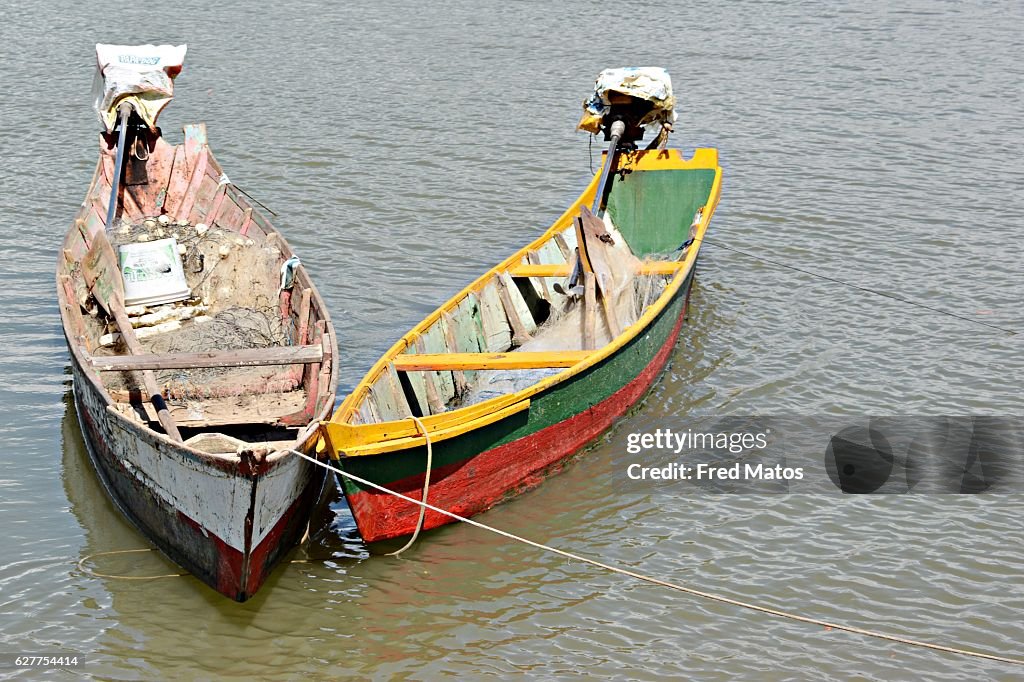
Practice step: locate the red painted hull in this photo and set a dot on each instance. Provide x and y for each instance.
(469, 487)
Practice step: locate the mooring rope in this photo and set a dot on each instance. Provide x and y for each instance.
(674, 586)
(426, 489)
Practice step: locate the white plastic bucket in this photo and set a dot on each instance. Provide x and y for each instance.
(152, 272)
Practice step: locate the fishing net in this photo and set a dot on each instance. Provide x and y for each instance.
(237, 328)
(226, 273)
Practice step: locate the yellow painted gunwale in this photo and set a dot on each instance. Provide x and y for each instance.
(530, 270)
(379, 438)
(420, 362)
(361, 443)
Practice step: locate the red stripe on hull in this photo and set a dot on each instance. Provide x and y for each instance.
(226, 576)
(286, 533)
(470, 487)
(282, 537)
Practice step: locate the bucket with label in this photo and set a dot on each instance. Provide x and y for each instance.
(152, 273)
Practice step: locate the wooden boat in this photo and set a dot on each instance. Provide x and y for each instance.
(216, 488)
(573, 365)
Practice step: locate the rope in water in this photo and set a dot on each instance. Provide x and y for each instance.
(426, 488)
(670, 585)
(857, 286)
(412, 540)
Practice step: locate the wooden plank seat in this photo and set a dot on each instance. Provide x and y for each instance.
(666, 267)
(423, 362)
(252, 357)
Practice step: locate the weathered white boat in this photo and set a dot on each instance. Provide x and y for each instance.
(190, 410)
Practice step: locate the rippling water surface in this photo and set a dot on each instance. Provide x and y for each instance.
(407, 148)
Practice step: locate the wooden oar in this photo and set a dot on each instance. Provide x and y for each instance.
(589, 312)
(103, 276)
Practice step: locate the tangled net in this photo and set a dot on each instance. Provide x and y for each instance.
(236, 328)
(248, 324)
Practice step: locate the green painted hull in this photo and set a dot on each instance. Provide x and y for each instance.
(480, 468)
(653, 206)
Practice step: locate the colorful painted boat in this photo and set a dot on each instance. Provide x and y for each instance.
(228, 499)
(490, 438)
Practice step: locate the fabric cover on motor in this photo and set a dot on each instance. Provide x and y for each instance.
(650, 83)
(141, 74)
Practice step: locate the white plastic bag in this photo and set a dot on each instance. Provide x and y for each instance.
(143, 74)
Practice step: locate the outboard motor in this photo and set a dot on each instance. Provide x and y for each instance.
(133, 84)
(624, 103)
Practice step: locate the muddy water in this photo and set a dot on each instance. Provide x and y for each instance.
(405, 151)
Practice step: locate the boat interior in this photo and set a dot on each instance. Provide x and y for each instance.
(245, 354)
(524, 321)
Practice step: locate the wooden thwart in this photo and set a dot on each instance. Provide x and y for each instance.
(530, 270)
(421, 362)
(255, 357)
